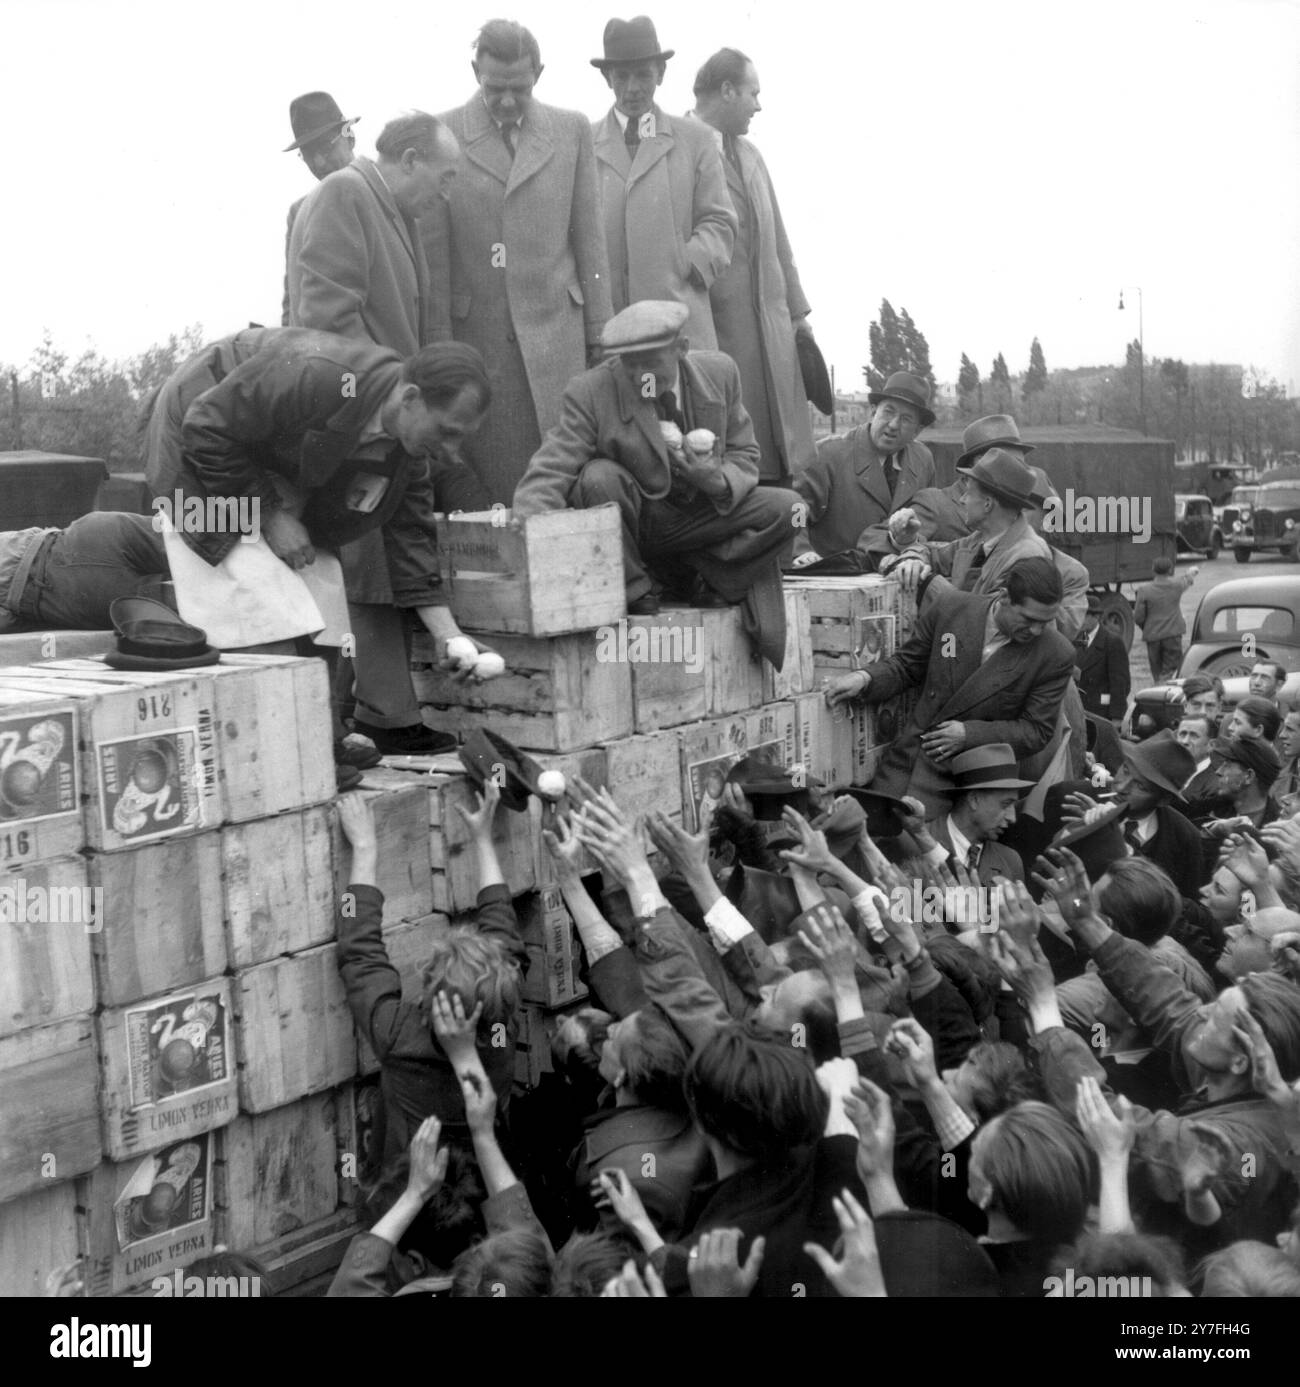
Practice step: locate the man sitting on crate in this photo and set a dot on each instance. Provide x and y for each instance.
(632, 431)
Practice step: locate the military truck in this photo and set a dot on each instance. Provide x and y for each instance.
(1093, 469)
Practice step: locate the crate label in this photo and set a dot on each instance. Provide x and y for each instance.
(169, 1191)
(873, 640)
(177, 1045)
(151, 786)
(38, 773)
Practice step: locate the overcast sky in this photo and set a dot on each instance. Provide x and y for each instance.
(999, 169)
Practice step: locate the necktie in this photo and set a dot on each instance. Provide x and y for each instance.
(973, 853)
(631, 136)
(508, 136)
(1131, 836)
(666, 408)
(891, 473)
(731, 151)
(972, 575)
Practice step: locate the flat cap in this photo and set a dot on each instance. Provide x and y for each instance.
(1255, 756)
(641, 327)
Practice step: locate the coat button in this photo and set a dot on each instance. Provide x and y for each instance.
(510, 336)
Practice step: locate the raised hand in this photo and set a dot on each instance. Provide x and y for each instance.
(629, 1284)
(1016, 912)
(479, 1095)
(1110, 1134)
(456, 1032)
(869, 1109)
(858, 1272)
(1264, 1072)
(688, 853)
(714, 1268)
(813, 853)
(356, 819)
(428, 1162)
(479, 819)
(603, 827)
(829, 939)
(564, 848)
(912, 1043)
(1247, 861)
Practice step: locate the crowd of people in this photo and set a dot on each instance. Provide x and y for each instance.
(807, 1066)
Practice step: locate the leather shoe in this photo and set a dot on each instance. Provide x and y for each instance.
(360, 758)
(644, 606)
(415, 740)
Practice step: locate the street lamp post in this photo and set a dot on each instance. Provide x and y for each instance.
(1142, 360)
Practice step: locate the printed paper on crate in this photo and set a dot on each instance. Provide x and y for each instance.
(150, 786)
(38, 765)
(177, 1045)
(707, 778)
(167, 1191)
(873, 640)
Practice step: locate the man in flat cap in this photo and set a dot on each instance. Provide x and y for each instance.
(518, 250)
(1247, 770)
(325, 142)
(758, 303)
(858, 479)
(661, 431)
(669, 222)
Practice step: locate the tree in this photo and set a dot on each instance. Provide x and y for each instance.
(896, 344)
(1000, 380)
(969, 391)
(1035, 381)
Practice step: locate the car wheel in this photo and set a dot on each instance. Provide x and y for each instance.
(1117, 616)
(1227, 666)
(1216, 543)
(1241, 555)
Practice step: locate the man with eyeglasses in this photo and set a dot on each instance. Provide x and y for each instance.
(324, 141)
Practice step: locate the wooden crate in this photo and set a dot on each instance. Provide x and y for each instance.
(455, 862)
(295, 1030)
(276, 1172)
(548, 575)
(733, 667)
(410, 946)
(143, 1218)
(796, 675)
(399, 803)
(163, 1082)
(49, 1128)
(645, 773)
(770, 733)
(149, 759)
(670, 674)
(161, 918)
(45, 967)
(357, 1113)
(38, 1233)
(305, 1260)
(40, 777)
(708, 752)
(556, 695)
(554, 953)
(841, 613)
(277, 885)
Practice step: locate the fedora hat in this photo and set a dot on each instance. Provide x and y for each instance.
(812, 367)
(907, 389)
(484, 753)
(631, 41)
(1004, 475)
(313, 115)
(1099, 844)
(150, 636)
(883, 811)
(769, 788)
(993, 431)
(991, 767)
(1160, 760)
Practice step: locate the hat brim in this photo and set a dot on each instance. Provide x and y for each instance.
(1012, 498)
(318, 134)
(603, 63)
(996, 443)
(1132, 754)
(117, 659)
(928, 416)
(664, 340)
(482, 749)
(1007, 784)
(816, 378)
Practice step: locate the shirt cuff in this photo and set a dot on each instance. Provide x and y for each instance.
(726, 925)
(937, 854)
(952, 1124)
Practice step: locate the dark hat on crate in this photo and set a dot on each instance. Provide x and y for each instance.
(907, 389)
(812, 367)
(631, 41)
(314, 115)
(991, 767)
(643, 326)
(883, 811)
(1099, 844)
(993, 431)
(769, 788)
(1255, 756)
(1161, 761)
(485, 754)
(1004, 475)
(150, 636)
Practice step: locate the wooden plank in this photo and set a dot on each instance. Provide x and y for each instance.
(161, 918)
(47, 914)
(556, 695)
(666, 655)
(456, 876)
(50, 1129)
(168, 1068)
(143, 1218)
(38, 1233)
(277, 1171)
(708, 752)
(796, 675)
(548, 575)
(770, 734)
(294, 1028)
(410, 946)
(733, 668)
(356, 1114)
(310, 1253)
(399, 802)
(40, 777)
(277, 885)
(644, 774)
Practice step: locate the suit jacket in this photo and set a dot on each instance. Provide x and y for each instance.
(665, 213)
(996, 862)
(846, 492)
(1158, 608)
(1175, 847)
(533, 313)
(355, 263)
(602, 416)
(1012, 697)
(1103, 670)
(755, 301)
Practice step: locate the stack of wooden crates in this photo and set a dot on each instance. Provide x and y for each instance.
(178, 1067)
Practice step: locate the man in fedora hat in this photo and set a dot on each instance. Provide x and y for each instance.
(1102, 664)
(758, 303)
(669, 222)
(1002, 431)
(1149, 784)
(517, 251)
(858, 479)
(324, 141)
(990, 669)
(620, 439)
(986, 789)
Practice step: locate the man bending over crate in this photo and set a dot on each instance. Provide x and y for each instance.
(661, 431)
(478, 963)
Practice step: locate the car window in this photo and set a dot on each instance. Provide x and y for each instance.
(1244, 495)
(1274, 623)
(1198, 508)
(1284, 498)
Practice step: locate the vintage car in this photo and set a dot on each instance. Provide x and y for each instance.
(1198, 531)
(1237, 624)
(1270, 520)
